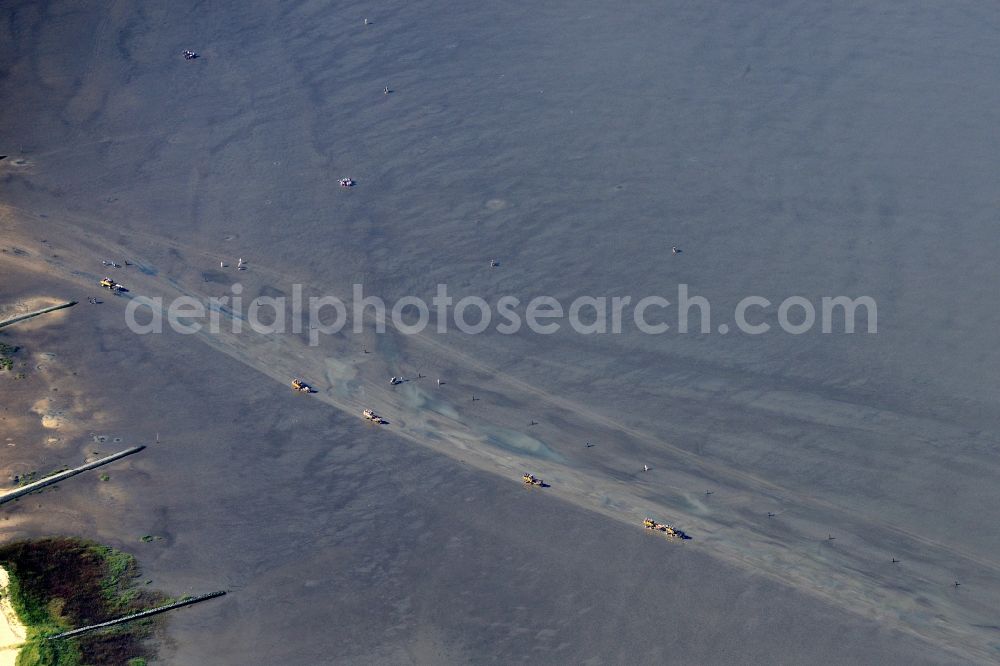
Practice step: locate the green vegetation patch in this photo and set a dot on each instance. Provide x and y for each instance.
(6, 353)
(58, 584)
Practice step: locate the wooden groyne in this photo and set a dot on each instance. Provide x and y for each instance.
(51, 308)
(139, 615)
(60, 476)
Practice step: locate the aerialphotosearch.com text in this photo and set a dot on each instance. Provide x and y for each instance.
(507, 315)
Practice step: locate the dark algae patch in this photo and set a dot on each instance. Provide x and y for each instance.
(58, 584)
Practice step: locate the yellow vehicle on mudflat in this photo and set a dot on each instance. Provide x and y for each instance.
(671, 532)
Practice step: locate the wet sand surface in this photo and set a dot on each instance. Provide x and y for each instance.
(341, 542)
(788, 150)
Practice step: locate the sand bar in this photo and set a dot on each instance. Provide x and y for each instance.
(12, 631)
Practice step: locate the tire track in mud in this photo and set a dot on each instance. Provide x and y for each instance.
(843, 579)
(586, 414)
(582, 413)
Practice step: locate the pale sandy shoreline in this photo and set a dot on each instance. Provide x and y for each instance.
(12, 631)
